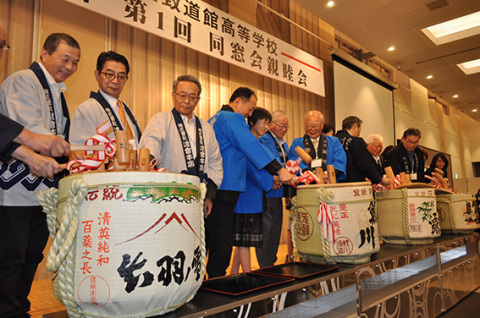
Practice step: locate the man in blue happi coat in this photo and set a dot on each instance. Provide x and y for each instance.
(327, 150)
(237, 145)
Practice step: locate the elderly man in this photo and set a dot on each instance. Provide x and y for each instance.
(408, 157)
(319, 146)
(360, 164)
(18, 141)
(275, 143)
(375, 147)
(237, 145)
(34, 98)
(105, 105)
(194, 152)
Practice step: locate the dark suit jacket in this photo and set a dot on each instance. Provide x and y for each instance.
(360, 162)
(397, 157)
(9, 130)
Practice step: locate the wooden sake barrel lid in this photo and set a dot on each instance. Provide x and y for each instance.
(443, 191)
(415, 185)
(336, 185)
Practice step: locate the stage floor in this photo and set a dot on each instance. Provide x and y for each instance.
(457, 255)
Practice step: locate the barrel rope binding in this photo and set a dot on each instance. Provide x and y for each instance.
(451, 216)
(324, 196)
(76, 194)
(405, 218)
(48, 200)
(293, 229)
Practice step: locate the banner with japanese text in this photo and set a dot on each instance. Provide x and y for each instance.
(209, 30)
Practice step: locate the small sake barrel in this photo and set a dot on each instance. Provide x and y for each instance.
(336, 223)
(457, 213)
(408, 216)
(139, 247)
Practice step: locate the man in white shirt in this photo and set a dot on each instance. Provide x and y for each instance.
(182, 142)
(34, 98)
(105, 105)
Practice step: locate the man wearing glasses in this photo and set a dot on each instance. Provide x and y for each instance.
(105, 105)
(276, 144)
(182, 142)
(408, 157)
(325, 150)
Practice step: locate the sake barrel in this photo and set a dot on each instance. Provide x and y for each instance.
(408, 216)
(126, 244)
(457, 213)
(335, 223)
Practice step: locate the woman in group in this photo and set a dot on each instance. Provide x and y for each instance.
(247, 217)
(439, 161)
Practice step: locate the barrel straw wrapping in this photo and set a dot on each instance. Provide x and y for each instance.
(408, 216)
(335, 223)
(457, 213)
(126, 244)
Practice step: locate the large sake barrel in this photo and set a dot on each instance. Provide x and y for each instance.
(457, 213)
(408, 216)
(126, 244)
(335, 223)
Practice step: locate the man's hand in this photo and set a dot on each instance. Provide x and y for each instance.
(276, 183)
(39, 165)
(385, 181)
(208, 206)
(47, 145)
(285, 176)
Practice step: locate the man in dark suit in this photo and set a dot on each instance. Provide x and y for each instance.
(375, 147)
(360, 164)
(408, 157)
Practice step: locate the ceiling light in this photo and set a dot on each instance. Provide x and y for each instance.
(455, 96)
(391, 49)
(429, 77)
(470, 67)
(455, 29)
(475, 110)
(330, 4)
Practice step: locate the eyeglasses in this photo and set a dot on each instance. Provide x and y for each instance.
(4, 46)
(182, 96)
(314, 126)
(282, 126)
(111, 76)
(411, 142)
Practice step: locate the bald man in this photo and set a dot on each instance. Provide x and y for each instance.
(319, 146)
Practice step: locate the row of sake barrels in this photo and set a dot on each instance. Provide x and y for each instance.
(343, 223)
(131, 244)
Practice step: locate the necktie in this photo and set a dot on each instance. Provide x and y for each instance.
(315, 146)
(124, 119)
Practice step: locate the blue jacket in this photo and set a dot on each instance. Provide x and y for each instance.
(335, 155)
(251, 201)
(237, 146)
(268, 142)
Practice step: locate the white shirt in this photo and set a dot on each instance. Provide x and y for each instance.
(162, 138)
(89, 115)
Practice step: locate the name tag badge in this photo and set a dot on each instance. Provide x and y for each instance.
(316, 163)
(413, 176)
